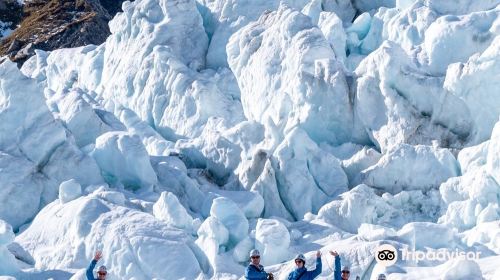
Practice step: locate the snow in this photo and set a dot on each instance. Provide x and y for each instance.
(69, 190)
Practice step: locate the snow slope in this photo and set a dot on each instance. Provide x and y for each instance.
(203, 129)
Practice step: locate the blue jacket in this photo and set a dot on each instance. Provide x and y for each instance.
(255, 273)
(308, 275)
(337, 273)
(90, 270)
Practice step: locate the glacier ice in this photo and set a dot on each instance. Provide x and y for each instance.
(306, 177)
(403, 169)
(123, 158)
(134, 243)
(69, 190)
(272, 239)
(203, 129)
(286, 52)
(169, 209)
(228, 213)
(416, 109)
(8, 265)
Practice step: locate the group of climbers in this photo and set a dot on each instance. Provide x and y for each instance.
(255, 271)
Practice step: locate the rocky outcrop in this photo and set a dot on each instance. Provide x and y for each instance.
(10, 15)
(55, 24)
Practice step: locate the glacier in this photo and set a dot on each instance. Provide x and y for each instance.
(201, 130)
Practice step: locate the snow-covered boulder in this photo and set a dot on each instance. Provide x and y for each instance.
(272, 239)
(170, 210)
(134, 244)
(411, 168)
(284, 51)
(123, 158)
(69, 190)
(8, 265)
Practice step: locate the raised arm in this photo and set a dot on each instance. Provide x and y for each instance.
(337, 274)
(90, 269)
(317, 270)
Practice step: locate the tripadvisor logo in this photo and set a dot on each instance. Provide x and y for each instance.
(387, 255)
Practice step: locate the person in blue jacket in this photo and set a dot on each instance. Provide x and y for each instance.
(301, 273)
(101, 271)
(254, 270)
(339, 274)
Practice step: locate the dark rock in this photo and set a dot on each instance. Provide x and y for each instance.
(11, 13)
(55, 24)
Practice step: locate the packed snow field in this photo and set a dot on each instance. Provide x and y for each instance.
(201, 130)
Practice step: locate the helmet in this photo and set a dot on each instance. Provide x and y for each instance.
(381, 276)
(102, 268)
(345, 268)
(300, 257)
(254, 253)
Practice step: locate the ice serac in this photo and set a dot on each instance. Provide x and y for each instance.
(228, 213)
(306, 176)
(476, 83)
(272, 240)
(259, 175)
(472, 200)
(134, 243)
(27, 127)
(398, 102)
(288, 75)
(465, 35)
(152, 65)
(35, 152)
(411, 168)
(169, 210)
(123, 159)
